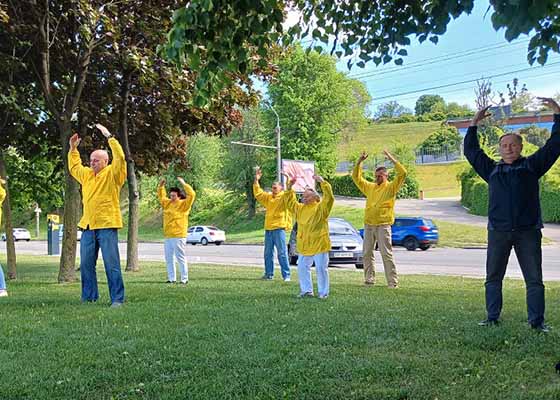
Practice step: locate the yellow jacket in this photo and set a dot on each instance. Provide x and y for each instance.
(2, 197)
(100, 193)
(276, 216)
(380, 199)
(313, 222)
(176, 213)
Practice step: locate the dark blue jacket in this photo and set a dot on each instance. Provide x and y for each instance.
(513, 189)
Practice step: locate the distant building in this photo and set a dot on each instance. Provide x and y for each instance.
(513, 122)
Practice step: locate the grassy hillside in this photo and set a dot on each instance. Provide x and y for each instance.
(376, 137)
(440, 180)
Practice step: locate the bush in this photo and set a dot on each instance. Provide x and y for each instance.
(343, 185)
(550, 198)
(445, 136)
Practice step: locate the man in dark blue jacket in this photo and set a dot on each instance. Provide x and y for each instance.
(514, 213)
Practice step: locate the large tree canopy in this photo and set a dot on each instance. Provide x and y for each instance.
(219, 37)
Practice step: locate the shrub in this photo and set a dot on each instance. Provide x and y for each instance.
(445, 136)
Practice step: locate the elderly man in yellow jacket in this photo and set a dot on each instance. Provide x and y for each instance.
(176, 209)
(101, 185)
(3, 290)
(379, 216)
(313, 241)
(277, 221)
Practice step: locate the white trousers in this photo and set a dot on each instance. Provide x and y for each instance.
(304, 273)
(175, 248)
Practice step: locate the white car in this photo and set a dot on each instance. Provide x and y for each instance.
(205, 235)
(19, 234)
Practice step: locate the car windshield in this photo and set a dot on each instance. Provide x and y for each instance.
(340, 228)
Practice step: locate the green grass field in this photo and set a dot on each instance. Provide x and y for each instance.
(229, 335)
(440, 180)
(376, 137)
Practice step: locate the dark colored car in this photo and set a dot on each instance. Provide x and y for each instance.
(346, 244)
(413, 233)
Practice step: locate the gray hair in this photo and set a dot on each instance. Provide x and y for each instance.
(516, 135)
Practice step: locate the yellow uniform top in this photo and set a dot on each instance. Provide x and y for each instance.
(2, 197)
(380, 199)
(276, 216)
(100, 193)
(313, 222)
(176, 213)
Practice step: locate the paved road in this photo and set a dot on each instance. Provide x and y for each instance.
(437, 261)
(445, 209)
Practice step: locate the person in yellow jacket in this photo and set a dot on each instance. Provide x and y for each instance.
(379, 216)
(101, 185)
(176, 209)
(277, 221)
(313, 242)
(3, 289)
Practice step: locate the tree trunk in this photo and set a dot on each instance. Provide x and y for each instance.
(133, 193)
(251, 206)
(10, 246)
(72, 201)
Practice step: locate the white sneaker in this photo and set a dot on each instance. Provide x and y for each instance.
(287, 279)
(3, 293)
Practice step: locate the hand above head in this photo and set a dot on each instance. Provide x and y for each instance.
(161, 182)
(550, 103)
(363, 157)
(318, 178)
(290, 180)
(258, 173)
(74, 141)
(181, 181)
(389, 156)
(103, 130)
(3, 181)
(480, 115)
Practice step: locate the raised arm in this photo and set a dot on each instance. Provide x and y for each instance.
(260, 195)
(118, 165)
(401, 172)
(543, 159)
(161, 192)
(328, 197)
(75, 167)
(359, 181)
(482, 164)
(289, 199)
(191, 194)
(2, 191)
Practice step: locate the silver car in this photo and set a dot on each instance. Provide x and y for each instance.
(346, 244)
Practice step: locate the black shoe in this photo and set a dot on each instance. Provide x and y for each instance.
(489, 322)
(171, 282)
(542, 327)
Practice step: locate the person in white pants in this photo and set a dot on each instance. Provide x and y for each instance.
(176, 209)
(313, 242)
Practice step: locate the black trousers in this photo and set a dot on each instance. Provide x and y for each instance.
(527, 246)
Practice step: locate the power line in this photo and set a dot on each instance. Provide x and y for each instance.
(462, 82)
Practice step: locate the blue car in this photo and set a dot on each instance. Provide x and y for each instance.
(413, 233)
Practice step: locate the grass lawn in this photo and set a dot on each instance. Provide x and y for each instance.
(440, 180)
(376, 137)
(228, 335)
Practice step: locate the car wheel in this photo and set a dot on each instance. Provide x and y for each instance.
(424, 247)
(218, 243)
(410, 243)
(360, 266)
(204, 241)
(27, 240)
(193, 243)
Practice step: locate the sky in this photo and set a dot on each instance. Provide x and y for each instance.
(470, 49)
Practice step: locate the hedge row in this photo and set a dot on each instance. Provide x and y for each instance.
(474, 196)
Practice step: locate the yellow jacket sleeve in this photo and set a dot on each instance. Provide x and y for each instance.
(118, 165)
(399, 179)
(191, 196)
(328, 199)
(260, 195)
(290, 201)
(75, 167)
(162, 195)
(360, 182)
(2, 197)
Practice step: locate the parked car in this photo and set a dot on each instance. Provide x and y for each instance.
(413, 233)
(19, 234)
(205, 235)
(346, 244)
(61, 232)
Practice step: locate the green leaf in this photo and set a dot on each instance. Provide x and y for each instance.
(402, 52)
(399, 61)
(434, 39)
